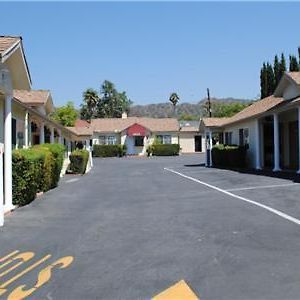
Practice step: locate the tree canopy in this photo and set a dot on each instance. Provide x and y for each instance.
(107, 103)
(65, 115)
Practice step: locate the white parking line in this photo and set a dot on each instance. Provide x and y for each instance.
(72, 180)
(262, 187)
(268, 208)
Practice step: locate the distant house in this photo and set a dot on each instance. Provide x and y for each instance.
(269, 127)
(137, 133)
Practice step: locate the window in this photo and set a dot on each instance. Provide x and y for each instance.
(228, 138)
(101, 140)
(111, 140)
(164, 139)
(139, 141)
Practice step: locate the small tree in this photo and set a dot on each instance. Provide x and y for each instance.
(65, 115)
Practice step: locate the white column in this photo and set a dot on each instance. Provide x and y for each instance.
(8, 155)
(52, 136)
(224, 137)
(299, 138)
(26, 137)
(69, 147)
(257, 145)
(42, 133)
(210, 149)
(276, 143)
(1, 186)
(60, 140)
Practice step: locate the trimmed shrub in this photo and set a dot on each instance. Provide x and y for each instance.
(27, 171)
(109, 150)
(163, 149)
(57, 151)
(229, 156)
(78, 161)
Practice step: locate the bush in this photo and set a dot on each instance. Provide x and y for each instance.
(163, 149)
(230, 156)
(109, 150)
(27, 171)
(57, 151)
(78, 161)
(34, 170)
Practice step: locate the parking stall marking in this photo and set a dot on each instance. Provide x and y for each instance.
(262, 187)
(22, 291)
(268, 208)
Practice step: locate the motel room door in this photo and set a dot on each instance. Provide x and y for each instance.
(293, 139)
(198, 143)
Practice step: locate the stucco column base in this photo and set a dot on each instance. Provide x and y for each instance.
(276, 170)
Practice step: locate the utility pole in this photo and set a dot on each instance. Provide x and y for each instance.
(208, 102)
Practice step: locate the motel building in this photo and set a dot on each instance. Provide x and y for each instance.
(24, 115)
(137, 133)
(270, 127)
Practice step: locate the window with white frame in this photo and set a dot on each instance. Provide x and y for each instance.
(111, 140)
(164, 139)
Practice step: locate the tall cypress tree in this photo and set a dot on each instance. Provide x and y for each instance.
(270, 80)
(276, 70)
(263, 81)
(294, 67)
(282, 68)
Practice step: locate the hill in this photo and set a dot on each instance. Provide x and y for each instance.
(184, 110)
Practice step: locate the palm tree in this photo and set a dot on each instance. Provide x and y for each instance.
(90, 99)
(174, 99)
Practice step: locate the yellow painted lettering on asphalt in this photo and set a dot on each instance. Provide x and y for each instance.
(8, 255)
(179, 291)
(17, 276)
(25, 256)
(43, 277)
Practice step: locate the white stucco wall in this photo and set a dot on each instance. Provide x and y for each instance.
(187, 141)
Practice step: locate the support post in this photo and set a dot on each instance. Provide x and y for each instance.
(52, 135)
(42, 133)
(60, 140)
(257, 146)
(276, 144)
(1, 186)
(210, 149)
(26, 137)
(8, 155)
(206, 149)
(299, 138)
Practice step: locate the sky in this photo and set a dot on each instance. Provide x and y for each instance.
(151, 49)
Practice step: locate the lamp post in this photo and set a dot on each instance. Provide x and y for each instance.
(6, 90)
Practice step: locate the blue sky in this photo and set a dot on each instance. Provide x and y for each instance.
(151, 49)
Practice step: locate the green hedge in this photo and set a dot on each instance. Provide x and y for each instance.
(27, 171)
(109, 150)
(163, 149)
(229, 156)
(78, 161)
(34, 170)
(57, 151)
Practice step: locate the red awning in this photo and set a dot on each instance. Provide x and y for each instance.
(136, 130)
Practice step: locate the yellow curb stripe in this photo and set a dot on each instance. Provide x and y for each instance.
(179, 291)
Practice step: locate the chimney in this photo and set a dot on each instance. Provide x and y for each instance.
(124, 115)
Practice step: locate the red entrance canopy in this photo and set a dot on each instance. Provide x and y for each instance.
(136, 130)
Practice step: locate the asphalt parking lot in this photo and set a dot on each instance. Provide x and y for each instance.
(136, 226)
